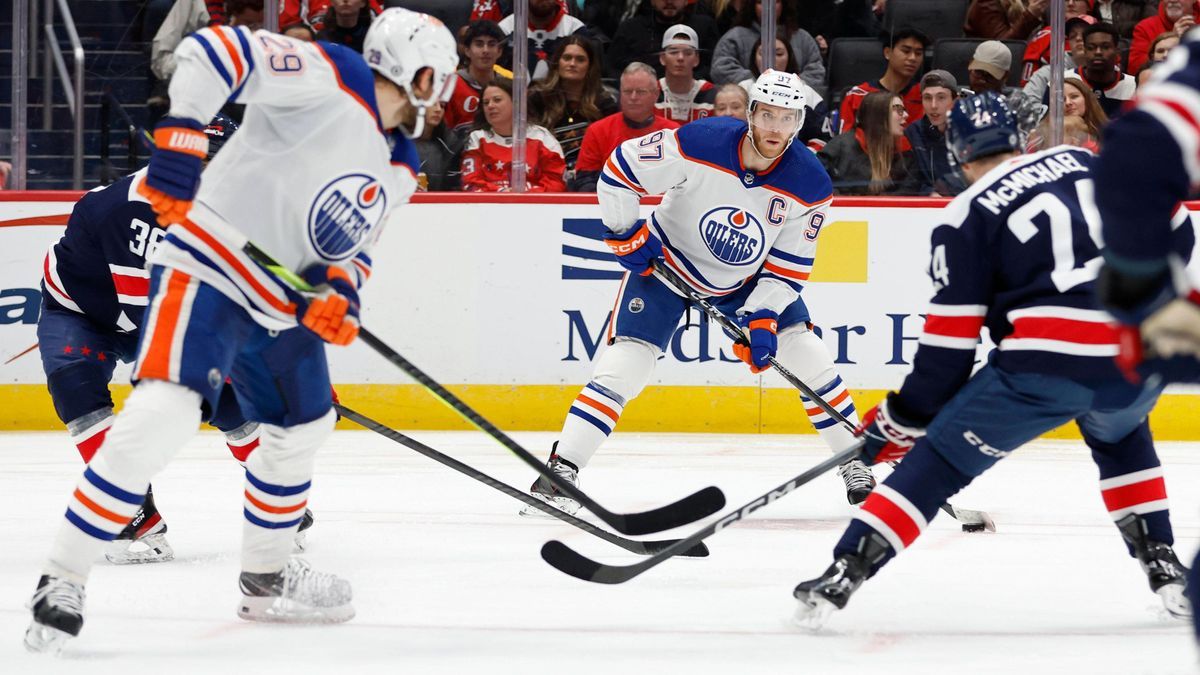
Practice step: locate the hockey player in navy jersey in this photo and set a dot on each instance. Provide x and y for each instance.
(323, 157)
(1149, 164)
(1012, 253)
(93, 296)
(741, 211)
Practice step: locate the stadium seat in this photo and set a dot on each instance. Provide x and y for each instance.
(936, 18)
(851, 61)
(954, 54)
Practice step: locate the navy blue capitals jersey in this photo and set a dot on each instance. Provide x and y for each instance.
(98, 268)
(1015, 253)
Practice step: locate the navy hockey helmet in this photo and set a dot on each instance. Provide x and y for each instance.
(979, 126)
(218, 131)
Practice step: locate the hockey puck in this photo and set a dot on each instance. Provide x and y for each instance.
(973, 527)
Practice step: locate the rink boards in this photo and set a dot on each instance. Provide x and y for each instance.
(507, 299)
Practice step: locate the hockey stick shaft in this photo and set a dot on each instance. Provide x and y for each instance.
(734, 331)
(566, 560)
(641, 547)
(689, 509)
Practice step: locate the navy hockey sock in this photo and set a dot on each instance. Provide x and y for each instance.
(1131, 482)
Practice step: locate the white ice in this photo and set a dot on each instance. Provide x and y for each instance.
(448, 579)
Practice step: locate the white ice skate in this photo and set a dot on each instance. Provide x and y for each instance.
(1175, 601)
(298, 594)
(812, 612)
(544, 491)
(57, 614)
(151, 547)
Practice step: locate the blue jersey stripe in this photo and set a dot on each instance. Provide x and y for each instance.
(601, 389)
(590, 420)
(626, 168)
(277, 490)
(89, 529)
(615, 183)
(212, 56)
(794, 259)
(112, 490)
(796, 285)
(268, 524)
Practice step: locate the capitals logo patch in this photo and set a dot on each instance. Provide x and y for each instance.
(732, 235)
(343, 214)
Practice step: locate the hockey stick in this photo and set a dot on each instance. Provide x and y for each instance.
(641, 547)
(690, 508)
(972, 521)
(567, 560)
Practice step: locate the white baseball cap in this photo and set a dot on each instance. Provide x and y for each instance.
(681, 34)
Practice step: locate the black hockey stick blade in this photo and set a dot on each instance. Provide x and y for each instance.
(568, 561)
(687, 510)
(640, 547)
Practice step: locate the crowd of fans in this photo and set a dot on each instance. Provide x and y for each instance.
(604, 71)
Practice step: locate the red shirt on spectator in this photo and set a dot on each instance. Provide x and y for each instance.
(1148, 29)
(464, 101)
(487, 162)
(291, 12)
(606, 134)
(492, 11)
(910, 95)
(697, 105)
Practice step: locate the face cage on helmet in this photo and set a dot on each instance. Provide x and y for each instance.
(750, 132)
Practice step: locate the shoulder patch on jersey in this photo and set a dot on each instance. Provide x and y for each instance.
(344, 212)
(353, 75)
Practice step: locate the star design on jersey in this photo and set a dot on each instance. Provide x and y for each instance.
(500, 165)
(68, 349)
(86, 351)
(101, 357)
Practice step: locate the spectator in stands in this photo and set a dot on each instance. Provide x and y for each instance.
(549, 23)
(1175, 16)
(487, 159)
(346, 23)
(682, 97)
(639, 90)
(1162, 44)
(1076, 131)
(439, 150)
(299, 30)
(989, 67)
(1124, 15)
(483, 41)
(732, 101)
(1081, 102)
(1037, 50)
(1037, 54)
(185, 18)
(1004, 19)
(639, 38)
(816, 129)
(927, 136)
(733, 58)
(1101, 72)
(572, 96)
(869, 159)
(904, 51)
(224, 12)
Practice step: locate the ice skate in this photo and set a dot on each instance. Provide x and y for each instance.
(543, 490)
(300, 542)
(57, 614)
(1167, 576)
(832, 590)
(143, 540)
(298, 594)
(858, 479)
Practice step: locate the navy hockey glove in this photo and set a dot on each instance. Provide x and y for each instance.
(886, 436)
(761, 342)
(332, 314)
(173, 175)
(635, 249)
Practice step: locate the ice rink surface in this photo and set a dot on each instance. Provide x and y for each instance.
(447, 578)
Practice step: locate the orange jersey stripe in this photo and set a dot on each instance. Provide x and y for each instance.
(233, 54)
(608, 412)
(273, 509)
(101, 511)
(776, 269)
(232, 261)
(156, 362)
(612, 166)
(833, 403)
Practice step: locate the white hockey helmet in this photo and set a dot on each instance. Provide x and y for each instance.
(781, 89)
(400, 43)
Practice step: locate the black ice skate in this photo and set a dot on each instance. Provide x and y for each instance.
(300, 542)
(832, 590)
(57, 614)
(143, 540)
(543, 490)
(298, 594)
(859, 480)
(1167, 576)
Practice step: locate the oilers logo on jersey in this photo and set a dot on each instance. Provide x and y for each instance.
(732, 235)
(343, 214)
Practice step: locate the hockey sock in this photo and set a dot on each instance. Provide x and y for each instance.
(88, 432)
(159, 417)
(621, 373)
(803, 353)
(833, 432)
(901, 507)
(1131, 482)
(243, 440)
(278, 479)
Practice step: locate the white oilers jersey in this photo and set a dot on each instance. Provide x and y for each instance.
(721, 224)
(309, 178)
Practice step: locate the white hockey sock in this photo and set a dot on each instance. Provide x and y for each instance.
(158, 419)
(278, 479)
(803, 353)
(621, 373)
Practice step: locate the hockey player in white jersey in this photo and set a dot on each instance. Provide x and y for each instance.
(741, 210)
(321, 160)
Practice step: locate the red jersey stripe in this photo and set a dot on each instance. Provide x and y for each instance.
(953, 326)
(1064, 330)
(1125, 496)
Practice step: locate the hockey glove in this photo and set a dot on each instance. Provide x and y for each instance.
(761, 342)
(635, 249)
(887, 437)
(174, 172)
(332, 314)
